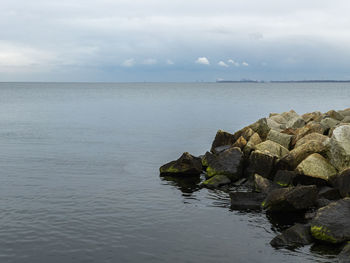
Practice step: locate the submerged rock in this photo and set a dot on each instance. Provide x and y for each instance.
(297, 235)
(331, 223)
(216, 181)
(185, 165)
(246, 200)
(291, 199)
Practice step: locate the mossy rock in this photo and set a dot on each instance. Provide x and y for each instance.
(187, 164)
(216, 181)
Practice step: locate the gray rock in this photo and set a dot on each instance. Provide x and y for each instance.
(295, 236)
(222, 138)
(187, 164)
(346, 119)
(274, 125)
(329, 123)
(246, 200)
(329, 193)
(280, 138)
(216, 181)
(261, 128)
(312, 137)
(342, 183)
(284, 178)
(261, 184)
(296, 122)
(273, 148)
(262, 163)
(335, 115)
(289, 115)
(254, 140)
(340, 147)
(344, 256)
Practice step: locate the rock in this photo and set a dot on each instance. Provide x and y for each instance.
(278, 118)
(280, 138)
(216, 181)
(207, 156)
(329, 193)
(329, 123)
(285, 178)
(254, 140)
(340, 147)
(297, 235)
(261, 184)
(227, 163)
(296, 122)
(261, 128)
(313, 137)
(342, 183)
(345, 112)
(331, 223)
(316, 166)
(246, 133)
(246, 200)
(313, 116)
(310, 215)
(273, 148)
(261, 163)
(307, 129)
(344, 256)
(335, 115)
(222, 138)
(346, 119)
(297, 155)
(291, 199)
(273, 124)
(289, 115)
(185, 165)
(240, 143)
(221, 149)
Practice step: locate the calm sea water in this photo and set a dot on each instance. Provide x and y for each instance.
(79, 175)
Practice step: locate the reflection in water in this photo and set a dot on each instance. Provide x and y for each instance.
(282, 221)
(187, 185)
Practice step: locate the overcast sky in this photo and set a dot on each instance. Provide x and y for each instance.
(182, 40)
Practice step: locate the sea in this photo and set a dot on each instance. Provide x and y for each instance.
(79, 171)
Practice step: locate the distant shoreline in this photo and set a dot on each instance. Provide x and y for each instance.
(283, 81)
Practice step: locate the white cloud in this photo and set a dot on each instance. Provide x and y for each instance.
(245, 64)
(223, 64)
(170, 62)
(231, 61)
(129, 63)
(203, 61)
(149, 61)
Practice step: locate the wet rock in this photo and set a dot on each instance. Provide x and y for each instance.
(344, 256)
(291, 199)
(284, 178)
(222, 138)
(185, 165)
(227, 163)
(297, 235)
(261, 184)
(316, 166)
(329, 193)
(313, 137)
(261, 128)
(331, 223)
(216, 181)
(254, 140)
(342, 183)
(261, 163)
(335, 115)
(240, 143)
(273, 148)
(280, 138)
(340, 147)
(246, 200)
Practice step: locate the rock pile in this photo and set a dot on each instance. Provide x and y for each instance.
(291, 163)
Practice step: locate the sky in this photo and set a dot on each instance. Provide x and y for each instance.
(182, 40)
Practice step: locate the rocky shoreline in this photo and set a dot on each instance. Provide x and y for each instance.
(284, 164)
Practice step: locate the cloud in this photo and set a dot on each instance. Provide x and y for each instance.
(223, 64)
(129, 63)
(149, 61)
(202, 61)
(231, 61)
(245, 64)
(170, 62)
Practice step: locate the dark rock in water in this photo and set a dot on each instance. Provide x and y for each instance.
(329, 193)
(222, 138)
(297, 235)
(186, 184)
(227, 163)
(285, 178)
(206, 158)
(261, 184)
(216, 181)
(344, 256)
(322, 202)
(246, 200)
(185, 165)
(261, 128)
(342, 183)
(332, 222)
(291, 199)
(261, 163)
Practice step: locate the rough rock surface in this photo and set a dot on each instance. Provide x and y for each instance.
(261, 184)
(261, 163)
(297, 235)
(344, 256)
(222, 138)
(280, 138)
(284, 178)
(185, 165)
(340, 147)
(216, 181)
(246, 200)
(342, 183)
(273, 148)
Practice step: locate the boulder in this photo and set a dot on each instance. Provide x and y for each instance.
(313, 137)
(295, 236)
(291, 199)
(342, 183)
(240, 143)
(316, 166)
(335, 115)
(206, 158)
(346, 119)
(261, 163)
(345, 112)
(185, 165)
(222, 138)
(289, 115)
(273, 148)
(331, 223)
(339, 152)
(246, 200)
(280, 138)
(254, 140)
(216, 181)
(296, 122)
(329, 193)
(344, 256)
(227, 163)
(274, 125)
(329, 123)
(261, 128)
(322, 202)
(261, 184)
(284, 178)
(307, 129)
(313, 116)
(278, 118)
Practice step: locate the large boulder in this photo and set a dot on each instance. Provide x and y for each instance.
(254, 140)
(216, 181)
(331, 223)
(296, 122)
(261, 184)
(222, 138)
(262, 163)
(344, 256)
(313, 137)
(273, 148)
(297, 235)
(278, 118)
(335, 115)
(342, 183)
(261, 128)
(227, 163)
(284, 178)
(240, 143)
(307, 129)
(340, 147)
(289, 115)
(280, 138)
(291, 199)
(316, 166)
(187, 164)
(273, 125)
(312, 116)
(246, 200)
(329, 123)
